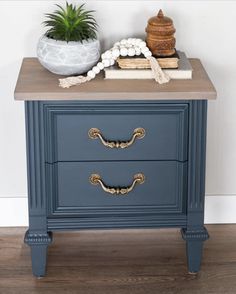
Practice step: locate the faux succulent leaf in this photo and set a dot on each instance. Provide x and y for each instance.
(71, 23)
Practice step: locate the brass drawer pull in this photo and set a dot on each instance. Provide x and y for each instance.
(96, 179)
(95, 133)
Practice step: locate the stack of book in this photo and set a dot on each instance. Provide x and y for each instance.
(177, 67)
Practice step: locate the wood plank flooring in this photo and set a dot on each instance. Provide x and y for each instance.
(120, 262)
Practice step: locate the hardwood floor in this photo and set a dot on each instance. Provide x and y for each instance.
(120, 262)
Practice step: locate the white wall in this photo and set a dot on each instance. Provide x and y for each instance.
(205, 29)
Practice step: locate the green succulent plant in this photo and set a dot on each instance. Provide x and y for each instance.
(72, 23)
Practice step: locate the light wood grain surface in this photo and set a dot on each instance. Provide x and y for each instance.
(120, 262)
(36, 83)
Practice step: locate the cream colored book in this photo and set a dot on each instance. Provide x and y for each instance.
(142, 63)
(184, 71)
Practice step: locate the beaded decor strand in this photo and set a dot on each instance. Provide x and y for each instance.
(126, 47)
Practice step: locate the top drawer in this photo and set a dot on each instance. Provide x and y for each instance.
(69, 132)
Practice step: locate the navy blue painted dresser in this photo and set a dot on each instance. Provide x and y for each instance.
(115, 154)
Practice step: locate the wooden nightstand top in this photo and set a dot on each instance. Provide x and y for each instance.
(36, 83)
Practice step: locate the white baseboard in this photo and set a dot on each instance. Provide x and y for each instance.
(219, 210)
(13, 211)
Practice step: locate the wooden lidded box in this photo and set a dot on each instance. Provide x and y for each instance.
(160, 35)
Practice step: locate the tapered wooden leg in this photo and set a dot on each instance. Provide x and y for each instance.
(194, 255)
(194, 245)
(39, 259)
(38, 243)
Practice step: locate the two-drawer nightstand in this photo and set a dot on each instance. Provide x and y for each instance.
(115, 154)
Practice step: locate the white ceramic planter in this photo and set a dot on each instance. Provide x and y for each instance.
(69, 58)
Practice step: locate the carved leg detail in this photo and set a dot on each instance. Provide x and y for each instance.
(39, 243)
(194, 244)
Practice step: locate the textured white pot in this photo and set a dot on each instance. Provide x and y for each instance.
(69, 58)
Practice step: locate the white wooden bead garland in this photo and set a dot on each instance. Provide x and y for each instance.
(126, 47)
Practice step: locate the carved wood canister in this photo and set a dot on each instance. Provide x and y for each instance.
(160, 35)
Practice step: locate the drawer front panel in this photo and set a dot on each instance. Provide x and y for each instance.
(71, 193)
(165, 125)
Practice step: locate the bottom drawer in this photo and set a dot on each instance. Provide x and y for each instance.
(71, 193)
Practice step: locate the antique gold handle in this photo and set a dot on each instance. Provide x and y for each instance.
(95, 133)
(96, 179)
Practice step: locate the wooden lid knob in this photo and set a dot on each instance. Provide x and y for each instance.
(160, 14)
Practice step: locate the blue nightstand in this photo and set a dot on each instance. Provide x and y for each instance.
(115, 154)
